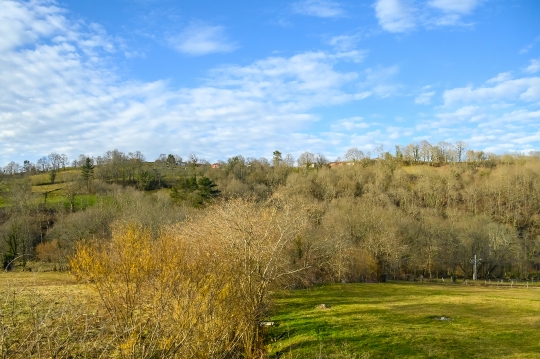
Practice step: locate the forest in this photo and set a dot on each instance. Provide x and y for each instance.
(225, 235)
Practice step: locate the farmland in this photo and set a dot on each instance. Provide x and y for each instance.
(404, 320)
(51, 311)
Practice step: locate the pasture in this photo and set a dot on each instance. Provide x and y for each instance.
(47, 313)
(403, 320)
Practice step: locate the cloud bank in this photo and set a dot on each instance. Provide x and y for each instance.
(57, 94)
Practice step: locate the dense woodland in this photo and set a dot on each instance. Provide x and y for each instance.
(402, 215)
(156, 237)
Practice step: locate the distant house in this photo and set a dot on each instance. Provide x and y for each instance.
(215, 165)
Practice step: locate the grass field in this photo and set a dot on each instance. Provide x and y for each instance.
(402, 320)
(392, 320)
(44, 315)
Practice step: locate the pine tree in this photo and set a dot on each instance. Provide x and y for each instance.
(87, 171)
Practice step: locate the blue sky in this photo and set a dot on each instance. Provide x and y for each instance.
(222, 78)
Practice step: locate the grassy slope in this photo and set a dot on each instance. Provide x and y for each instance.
(398, 320)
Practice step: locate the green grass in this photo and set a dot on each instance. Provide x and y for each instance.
(43, 179)
(392, 320)
(399, 320)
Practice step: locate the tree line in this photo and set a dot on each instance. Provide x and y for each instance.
(431, 206)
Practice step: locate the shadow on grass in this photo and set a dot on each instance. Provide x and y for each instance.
(403, 320)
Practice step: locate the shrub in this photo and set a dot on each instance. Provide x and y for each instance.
(198, 289)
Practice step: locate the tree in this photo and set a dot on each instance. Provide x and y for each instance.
(52, 175)
(43, 164)
(64, 161)
(193, 162)
(460, 147)
(306, 159)
(12, 239)
(379, 150)
(425, 151)
(137, 156)
(55, 161)
(399, 153)
(276, 159)
(28, 166)
(320, 161)
(12, 168)
(289, 160)
(353, 154)
(71, 189)
(193, 192)
(87, 171)
(80, 161)
(411, 152)
(171, 160)
(447, 151)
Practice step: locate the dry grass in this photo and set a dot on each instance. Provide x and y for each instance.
(46, 315)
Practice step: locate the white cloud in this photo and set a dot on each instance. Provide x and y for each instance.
(485, 129)
(501, 105)
(405, 15)
(299, 82)
(462, 114)
(534, 66)
(19, 27)
(424, 98)
(528, 48)
(318, 8)
(525, 89)
(201, 39)
(521, 117)
(380, 80)
(502, 77)
(56, 97)
(344, 42)
(395, 15)
(350, 124)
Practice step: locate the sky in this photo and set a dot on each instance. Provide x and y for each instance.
(237, 77)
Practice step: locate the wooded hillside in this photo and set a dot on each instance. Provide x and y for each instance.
(415, 213)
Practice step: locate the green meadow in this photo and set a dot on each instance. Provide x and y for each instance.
(403, 320)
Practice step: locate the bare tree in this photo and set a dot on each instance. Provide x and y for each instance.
(12, 168)
(425, 151)
(460, 147)
(289, 160)
(43, 164)
(64, 161)
(306, 159)
(353, 154)
(320, 160)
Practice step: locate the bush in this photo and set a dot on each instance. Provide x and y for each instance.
(198, 289)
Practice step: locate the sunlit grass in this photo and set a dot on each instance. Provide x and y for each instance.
(400, 320)
(43, 179)
(44, 315)
(392, 320)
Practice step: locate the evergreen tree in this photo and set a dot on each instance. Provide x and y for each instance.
(87, 171)
(194, 192)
